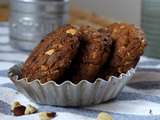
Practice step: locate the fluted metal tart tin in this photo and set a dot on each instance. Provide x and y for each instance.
(68, 94)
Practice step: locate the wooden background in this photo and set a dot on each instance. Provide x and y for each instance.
(4, 12)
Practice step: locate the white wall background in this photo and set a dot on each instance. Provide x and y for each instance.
(123, 10)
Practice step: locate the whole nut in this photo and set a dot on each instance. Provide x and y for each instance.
(104, 116)
(30, 110)
(47, 115)
(14, 105)
(17, 108)
(18, 111)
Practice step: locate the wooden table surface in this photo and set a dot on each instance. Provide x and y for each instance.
(77, 16)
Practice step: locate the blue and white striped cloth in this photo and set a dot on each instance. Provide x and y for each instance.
(140, 100)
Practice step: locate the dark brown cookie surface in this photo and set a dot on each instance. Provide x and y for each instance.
(92, 54)
(128, 45)
(53, 55)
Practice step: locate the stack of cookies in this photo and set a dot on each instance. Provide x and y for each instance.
(85, 53)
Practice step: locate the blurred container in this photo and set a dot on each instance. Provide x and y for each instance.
(151, 25)
(31, 20)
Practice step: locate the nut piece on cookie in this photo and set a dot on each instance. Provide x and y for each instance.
(50, 52)
(71, 31)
